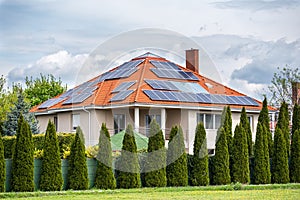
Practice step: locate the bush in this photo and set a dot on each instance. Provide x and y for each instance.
(51, 175)
(295, 147)
(246, 126)
(2, 166)
(283, 124)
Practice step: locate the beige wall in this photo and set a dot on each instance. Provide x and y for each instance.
(43, 121)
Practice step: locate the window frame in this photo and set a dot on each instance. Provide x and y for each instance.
(147, 125)
(119, 128)
(74, 126)
(209, 126)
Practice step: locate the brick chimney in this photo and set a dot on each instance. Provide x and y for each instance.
(192, 59)
(295, 93)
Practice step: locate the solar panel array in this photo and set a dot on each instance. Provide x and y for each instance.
(124, 86)
(50, 102)
(120, 96)
(199, 98)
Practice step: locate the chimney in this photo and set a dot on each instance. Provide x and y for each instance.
(192, 60)
(295, 93)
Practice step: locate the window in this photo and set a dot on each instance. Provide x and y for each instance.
(217, 121)
(75, 121)
(210, 152)
(119, 123)
(250, 121)
(210, 121)
(148, 119)
(55, 121)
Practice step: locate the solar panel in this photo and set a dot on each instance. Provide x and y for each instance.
(164, 65)
(121, 95)
(130, 64)
(77, 98)
(50, 102)
(175, 74)
(124, 86)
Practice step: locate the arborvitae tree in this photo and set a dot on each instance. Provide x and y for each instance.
(280, 168)
(104, 174)
(295, 146)
(2, 166)
(155, 168)
(247, 128)
(295, 158)
(221, 171)
(51, 175)
(199, 172)
(265, 121)
(22, 163)
(283, 124)
(226, 123)
(260, 165)
(128, 165)
(266, 152)
(77, 171)
(240, 157)
(177, 172)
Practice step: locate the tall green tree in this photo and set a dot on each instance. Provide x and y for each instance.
(221, 171)
(104, 174)
(283, 124)
(128, 164)
(296, 119)
(295, 146)
(22, 163)
(51, 175)
(77, 171)
(199, 172)
(240, 162)
(280, 168)
(266, 153)
(155, 168)
(177, 172)
(226, 123)
(43, 88)
(247, 128)
(2, 166)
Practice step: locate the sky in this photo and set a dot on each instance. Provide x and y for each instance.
(245, 40)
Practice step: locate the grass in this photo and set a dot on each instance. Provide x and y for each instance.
(237, 191)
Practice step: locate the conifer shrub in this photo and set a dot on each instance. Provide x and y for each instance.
(295, 158)
(2, 167)
(283, 124)
(177, 172)
(296, 119)
(199, 172)
(77, 171)
(155, 166)
(104, 174)
(247, 128)
(22, 163)
(51, 175)
(128, 175)
(267, 153)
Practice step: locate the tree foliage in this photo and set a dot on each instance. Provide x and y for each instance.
(22, 163)
(177, 172)
(77, 171)
(51, 175)
(283, 124)
(2, 166)
(226, 123)
(199, 172)
(104, 174)
(247, 128)
(295, 146)
(155, 168)
(42, 88)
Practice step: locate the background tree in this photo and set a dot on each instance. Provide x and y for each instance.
(226, 123)
(2, 166)
(240, 156)
(77, 171)
(155, 168)
(247, 128)
(104, 174)
(199, 172)
(51, 175)
(129, 176)
(296, 119)
(283, 124)
(266, 153)
(295, 158)
(177, 172)
(43, 88)
(280, 168)
(22, 163)
(221, 171)
(281, 85)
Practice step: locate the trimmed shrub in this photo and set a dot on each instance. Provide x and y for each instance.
(199, 172)
(104, 174)
(51, 175)
(247, 128)
(22, 163)
(295, 158)
(283, 124)
(128, 163)
(155, 167)
(240, 157)
(280, 168)
(77, 171)
(2, 166)
(177, 173)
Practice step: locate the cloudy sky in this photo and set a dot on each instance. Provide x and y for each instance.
(245, 39)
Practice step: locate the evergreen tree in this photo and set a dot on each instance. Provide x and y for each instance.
(265, 120)
(240, 157)
(280, 168)
(295, 158)
(266, 153)
(226, 123)
(11, 123)
(77, 171)
(129, 176)
(177, 172)
(155, 168)
(283, 124)
(104, 174)
(2, 166)
(296, 119)
(51, 175)
(221, 171)
(22, 163)
(199, 172)
(247, 128)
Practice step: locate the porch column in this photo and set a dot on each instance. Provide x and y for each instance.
(136, 119)
(163, 121)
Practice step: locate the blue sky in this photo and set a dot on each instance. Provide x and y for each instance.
(246, 40)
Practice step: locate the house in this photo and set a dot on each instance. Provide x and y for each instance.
(144, 88)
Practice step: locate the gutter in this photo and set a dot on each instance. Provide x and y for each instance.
(89, 131)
